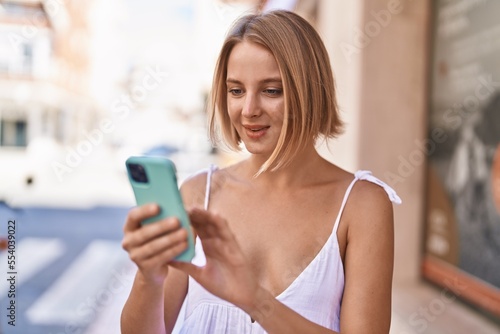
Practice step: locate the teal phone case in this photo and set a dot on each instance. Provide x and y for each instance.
(161, 188)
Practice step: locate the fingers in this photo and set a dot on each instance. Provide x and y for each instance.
(164, 244)
(166, 255)
(189, 268)
(209, 225)
(138, 214)
(148, 232)
(152, 246)
(199, 220)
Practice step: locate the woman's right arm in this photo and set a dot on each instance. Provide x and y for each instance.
(158, 290)
(151, 247)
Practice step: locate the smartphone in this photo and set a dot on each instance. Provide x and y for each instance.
(154, 180)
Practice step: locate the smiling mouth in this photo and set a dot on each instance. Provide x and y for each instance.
(256, 131)
(256, 128)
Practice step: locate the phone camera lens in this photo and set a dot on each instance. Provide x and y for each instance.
(138, 173)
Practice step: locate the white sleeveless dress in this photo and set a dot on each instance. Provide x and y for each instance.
(316, 293)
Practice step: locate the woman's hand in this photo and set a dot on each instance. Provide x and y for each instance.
(154, 245)
(227, 273)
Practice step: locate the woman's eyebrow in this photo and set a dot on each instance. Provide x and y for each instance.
(276, 79)
(267, 80)
(231, 80)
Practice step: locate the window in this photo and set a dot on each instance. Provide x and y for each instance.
(13, 133)
(27, 62)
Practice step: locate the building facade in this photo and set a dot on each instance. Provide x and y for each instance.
(44, 71)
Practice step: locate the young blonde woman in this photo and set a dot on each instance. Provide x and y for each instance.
(286, 241)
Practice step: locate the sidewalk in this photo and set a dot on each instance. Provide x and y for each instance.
(420, 308)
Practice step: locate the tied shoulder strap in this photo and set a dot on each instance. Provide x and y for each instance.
(367, 175)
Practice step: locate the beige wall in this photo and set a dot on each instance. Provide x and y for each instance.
(335, 22)
(382, 88)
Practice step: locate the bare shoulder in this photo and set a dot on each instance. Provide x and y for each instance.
(368, 199)
(193, 190)
(369, 211)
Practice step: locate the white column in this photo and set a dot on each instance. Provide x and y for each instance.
(34, 123)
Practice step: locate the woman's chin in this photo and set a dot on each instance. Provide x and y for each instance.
(259, 148)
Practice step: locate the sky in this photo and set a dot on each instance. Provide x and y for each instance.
(182, 37)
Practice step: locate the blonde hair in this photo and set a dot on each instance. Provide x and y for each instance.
(308, 85)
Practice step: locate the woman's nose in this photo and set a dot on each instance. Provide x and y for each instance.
(251, 107)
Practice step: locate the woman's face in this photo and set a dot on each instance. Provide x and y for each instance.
(255, 97)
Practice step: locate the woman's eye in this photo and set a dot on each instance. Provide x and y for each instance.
(235, 91)
(273, 91)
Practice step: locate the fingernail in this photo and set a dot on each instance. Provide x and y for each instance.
(174, 222)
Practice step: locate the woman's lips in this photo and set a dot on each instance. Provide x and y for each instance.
(255, 131)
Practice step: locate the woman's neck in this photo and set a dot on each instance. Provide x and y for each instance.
(305, 168)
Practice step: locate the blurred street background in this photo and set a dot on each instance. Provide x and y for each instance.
(84, 84)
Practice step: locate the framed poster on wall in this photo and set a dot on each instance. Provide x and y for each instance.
(462, 238)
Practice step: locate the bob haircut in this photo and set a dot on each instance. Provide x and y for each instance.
(308, 86)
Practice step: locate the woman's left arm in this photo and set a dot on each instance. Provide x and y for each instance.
(368, 263)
